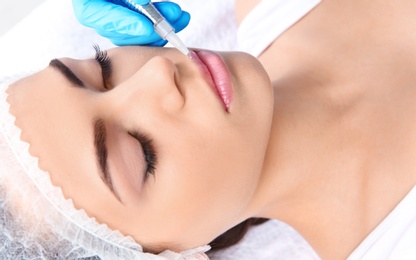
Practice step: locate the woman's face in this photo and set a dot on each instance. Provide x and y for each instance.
(151, 148)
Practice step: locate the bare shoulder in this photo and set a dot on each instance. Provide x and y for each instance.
(243, 7)
(360, 55)
(349, 31)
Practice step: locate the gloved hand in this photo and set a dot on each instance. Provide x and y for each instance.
(113, 20)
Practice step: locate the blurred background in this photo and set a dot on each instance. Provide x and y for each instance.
(12, 11)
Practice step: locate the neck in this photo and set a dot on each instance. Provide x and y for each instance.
(342, 133)
(336, 106)
(335, 154)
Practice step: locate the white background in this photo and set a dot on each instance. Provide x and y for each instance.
(13, 11)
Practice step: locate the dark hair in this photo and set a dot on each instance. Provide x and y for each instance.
(235, 234)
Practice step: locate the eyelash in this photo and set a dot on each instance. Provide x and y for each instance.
(149, 152)
(102, 58)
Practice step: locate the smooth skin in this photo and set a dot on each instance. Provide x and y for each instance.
(332, 154)
(204, 153)
(342, 149)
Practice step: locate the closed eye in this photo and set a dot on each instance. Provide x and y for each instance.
(148, 151)
(105, 63)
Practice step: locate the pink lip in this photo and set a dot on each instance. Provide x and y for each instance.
(216, 74)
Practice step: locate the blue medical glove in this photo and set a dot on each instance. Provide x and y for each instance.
(113, 20)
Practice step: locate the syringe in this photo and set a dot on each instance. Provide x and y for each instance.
(162, 27)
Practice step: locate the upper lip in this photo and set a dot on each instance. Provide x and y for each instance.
(216, 74)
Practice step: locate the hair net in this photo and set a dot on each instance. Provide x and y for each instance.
(36, 221)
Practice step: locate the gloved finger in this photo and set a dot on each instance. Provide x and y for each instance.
(124, 39)
(132, 41)
(111, 17)
(139, 2)
(171, 11)
(182, 22)
(153, 39)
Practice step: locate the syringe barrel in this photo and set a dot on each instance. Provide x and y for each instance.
(163, 28)
(150, 11)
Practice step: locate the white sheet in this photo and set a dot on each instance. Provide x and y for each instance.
(394, 237)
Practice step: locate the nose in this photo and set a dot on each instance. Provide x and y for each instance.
(152, 87)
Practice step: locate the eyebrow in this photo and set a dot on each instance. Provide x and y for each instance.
(100, 133)
(67, 73)
(100, 136)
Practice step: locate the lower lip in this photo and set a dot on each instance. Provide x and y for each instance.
(216, 72)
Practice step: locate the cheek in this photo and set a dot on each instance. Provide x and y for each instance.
(195, 187)
(226, 162)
